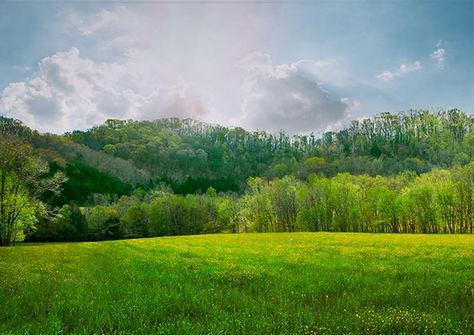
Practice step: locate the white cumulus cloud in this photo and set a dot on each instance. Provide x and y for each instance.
(69, 92)
(88, 26)
(439, 56)
(403, 69)
(287, 96)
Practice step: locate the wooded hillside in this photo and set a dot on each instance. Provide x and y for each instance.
(406, 172)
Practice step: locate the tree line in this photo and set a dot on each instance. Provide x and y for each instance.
(192, 156)
(406, 172)
(440, 201)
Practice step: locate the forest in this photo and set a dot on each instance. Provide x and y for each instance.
(409, 172)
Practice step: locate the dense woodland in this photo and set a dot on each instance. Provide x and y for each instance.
(408, 172)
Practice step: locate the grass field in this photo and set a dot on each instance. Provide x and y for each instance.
(300, 283)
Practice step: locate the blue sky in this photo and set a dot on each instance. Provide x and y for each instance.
(300, 67)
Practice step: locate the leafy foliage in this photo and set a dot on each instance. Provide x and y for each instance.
(406, 172)
(23, 179)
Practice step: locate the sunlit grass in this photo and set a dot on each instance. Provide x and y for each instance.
(301, 283)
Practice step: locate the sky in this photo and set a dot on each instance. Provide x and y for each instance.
(295, 66)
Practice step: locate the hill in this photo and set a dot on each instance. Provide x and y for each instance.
(407, 172)
(191, 156)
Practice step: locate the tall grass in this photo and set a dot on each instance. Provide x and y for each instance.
(300, 283)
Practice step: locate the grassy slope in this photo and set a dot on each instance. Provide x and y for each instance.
(303, 283)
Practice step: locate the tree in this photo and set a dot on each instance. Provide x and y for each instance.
(257, 207)
(102, 223)
(283, 198)
(23, 179)
(229, 215)
(313, 165)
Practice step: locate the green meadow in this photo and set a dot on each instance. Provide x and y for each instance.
(287, 283)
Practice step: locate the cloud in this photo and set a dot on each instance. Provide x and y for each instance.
(439, 56)
(94, 23)
(287, 96)
(176, 101)
(404, 69)
(160, 51)
(176, 73)
(69, 92)
(256, 62)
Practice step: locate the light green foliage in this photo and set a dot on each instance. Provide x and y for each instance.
(298, 283)
(257, 207)
(284, 203)
(25, 210)
(135, 221)
(441, 201)
(314, 164)
(102, 222)
(23, 180)
(424, 181)
(434, 202)
(229, 214)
